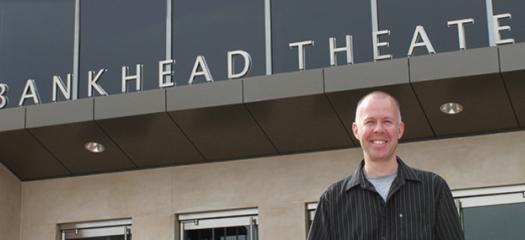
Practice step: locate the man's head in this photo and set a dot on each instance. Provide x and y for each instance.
(378, 126)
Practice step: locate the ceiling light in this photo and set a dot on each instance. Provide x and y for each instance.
(94, 147)
(451, 108)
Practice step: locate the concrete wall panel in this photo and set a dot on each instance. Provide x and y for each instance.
(278, 186)
(10, 193)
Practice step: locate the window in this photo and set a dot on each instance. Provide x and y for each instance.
(433, 16)
(121, 33)
(310, 208)
(227, 225)
(492, 213)
(36, 42)
(101, 230)
(211, 28)
(304, 20)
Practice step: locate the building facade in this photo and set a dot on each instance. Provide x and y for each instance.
(173, 119)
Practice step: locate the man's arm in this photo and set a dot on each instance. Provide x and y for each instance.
(448, 226)
(320, 226)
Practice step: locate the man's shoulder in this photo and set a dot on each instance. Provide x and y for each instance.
(337, 188)
(427, 176)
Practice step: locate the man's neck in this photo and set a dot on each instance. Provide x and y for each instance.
(380, 168)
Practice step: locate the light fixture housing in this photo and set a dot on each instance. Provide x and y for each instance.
(95, 147)
(451, 108)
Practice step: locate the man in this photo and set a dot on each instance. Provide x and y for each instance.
(385, 199)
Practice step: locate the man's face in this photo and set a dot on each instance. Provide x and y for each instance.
(378, 128)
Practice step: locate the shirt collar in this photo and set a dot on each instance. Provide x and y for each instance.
(404, 173)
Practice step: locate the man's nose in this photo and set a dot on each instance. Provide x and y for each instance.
(379, 128)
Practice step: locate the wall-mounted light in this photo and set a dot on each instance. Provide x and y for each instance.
(451, 108)
(94, 147)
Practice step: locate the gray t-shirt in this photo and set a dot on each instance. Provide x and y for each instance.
(382, 184)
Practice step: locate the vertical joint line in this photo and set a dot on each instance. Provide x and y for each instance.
(418, 100)
(506, 88)
(93, 111)
(262, 129)
(323, 78)
(49, 151)
(490, 23)
(165, 100)
(187, 137)
(348, 132)
(268, 35)
(242, 91)
(25, 117)
(116, 144)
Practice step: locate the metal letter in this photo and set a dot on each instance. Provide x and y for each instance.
(92, 83)
(425, 41)
(65, 88)
(205, 71)
(300, 50)
(165, 73)
(231, 66)
(349, 49)
(377, 44)
(137, 77)
(3, 99)
(461, 30)
(498, 28)
(30, 91)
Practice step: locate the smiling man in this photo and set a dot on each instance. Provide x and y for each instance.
(385, 199)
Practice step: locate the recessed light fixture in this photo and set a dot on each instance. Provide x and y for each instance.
(451, 108)
(94, 147)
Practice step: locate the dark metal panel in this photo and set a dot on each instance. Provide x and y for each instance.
(470, 78)
(204, 95)
(226, 132)
(283, 85)
(66, 142)
(515, 82)
(130, 104)
(454, 64)
(151, 140)
(12, 119)
(60, 113)
(293, 112)
(299, 124)
(346, 85)
(26, 158)
(486, 105)
(512, 60)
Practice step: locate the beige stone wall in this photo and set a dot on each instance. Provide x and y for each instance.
(278, 186)
(10, 193)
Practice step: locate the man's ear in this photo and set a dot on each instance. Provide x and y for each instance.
(401, 129)
(355, 130)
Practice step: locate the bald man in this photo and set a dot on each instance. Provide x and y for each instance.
(385, 199)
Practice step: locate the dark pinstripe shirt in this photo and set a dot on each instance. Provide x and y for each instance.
(419, 206)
